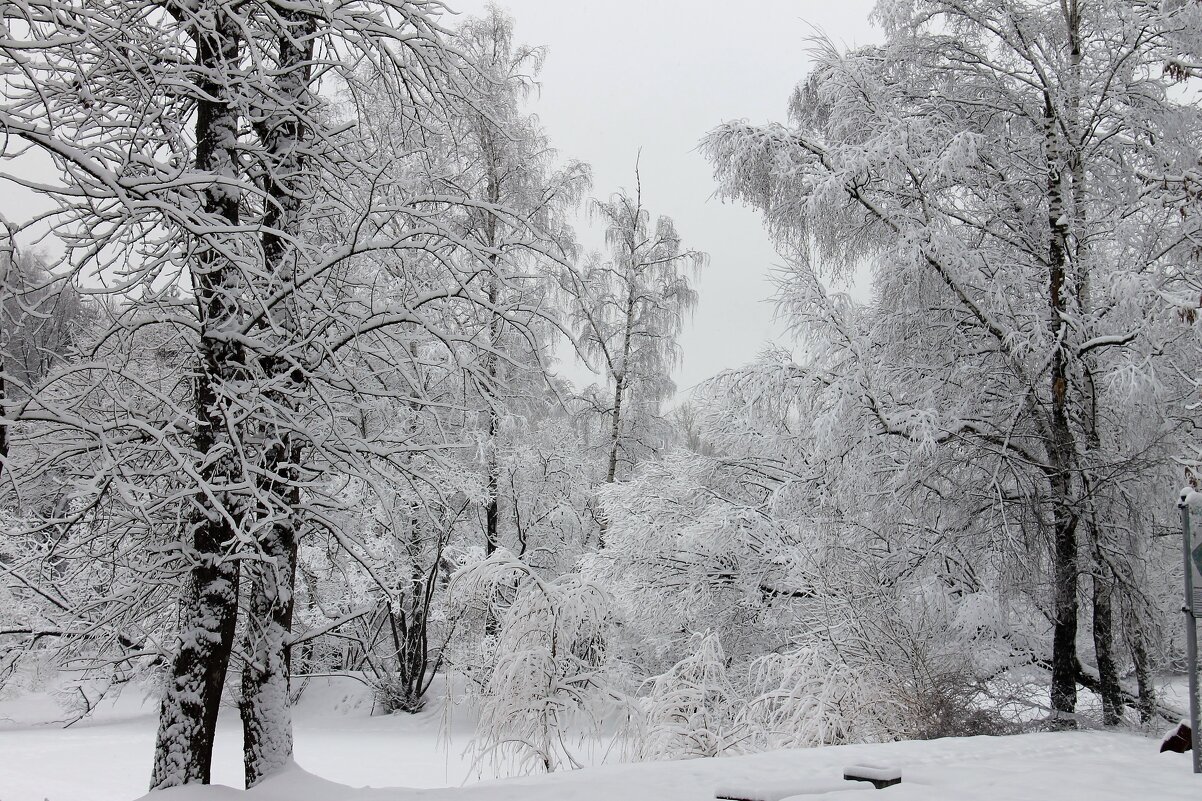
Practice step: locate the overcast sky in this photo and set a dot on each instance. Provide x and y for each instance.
(658, 74)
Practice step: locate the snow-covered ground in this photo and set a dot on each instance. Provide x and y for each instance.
(1086, 766)
(108, 759)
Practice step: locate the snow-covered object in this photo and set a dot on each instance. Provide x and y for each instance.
(690, 709)
(1178, 739)
(1029, 323)
(212, 210)
(880, 776)
(628, 310)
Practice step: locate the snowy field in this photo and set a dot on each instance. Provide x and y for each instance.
(1088, 766)
(108, 759)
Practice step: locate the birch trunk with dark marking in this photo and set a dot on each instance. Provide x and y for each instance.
(8, 262)
(3, 420)
(492, 509)
(1103, 576)
(615, 433)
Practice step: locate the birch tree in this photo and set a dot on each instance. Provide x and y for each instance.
(628, 310)
(986, 159)
(509, 162)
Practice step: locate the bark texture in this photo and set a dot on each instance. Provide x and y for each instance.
(1060, 446)
(209, 606)
(266, 709)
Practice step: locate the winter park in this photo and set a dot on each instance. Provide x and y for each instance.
(441, 400)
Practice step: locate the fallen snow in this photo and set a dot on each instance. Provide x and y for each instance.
(108, 756)
(1076, 766)
(109, 759)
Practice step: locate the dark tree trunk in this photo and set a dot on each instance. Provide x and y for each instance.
(1103, 639)
(1143, 668)
(1064, 620)
(209, 606)
(1061, 449)
(266, 703)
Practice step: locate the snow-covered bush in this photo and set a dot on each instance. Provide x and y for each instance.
(690, 551)
(874, 676)
(816, 631)
(690, 709)
(810, 697)
(554, 681)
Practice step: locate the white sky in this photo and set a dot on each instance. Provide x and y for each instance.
(659, 74)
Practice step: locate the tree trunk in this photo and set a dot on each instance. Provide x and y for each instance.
(1139, 656)
(266, 701)
(209, 606)
(1103, 639)
(1104, 584)
(1060, 448)
(615, 435)
(8, 266)
(188, 714)
(492, 513)
(1064, 619)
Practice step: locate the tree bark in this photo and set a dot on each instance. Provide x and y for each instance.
(1147, 703)
(615, 436)
(492, 512)
(266, 702)
(209, 606)
(1060, 447)
(1104, 584)
(1103, 638)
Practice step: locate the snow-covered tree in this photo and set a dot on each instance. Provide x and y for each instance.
(628, 310)
(988, 161)
(554, 675)
(508, 162)
(248, 233)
